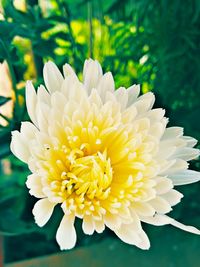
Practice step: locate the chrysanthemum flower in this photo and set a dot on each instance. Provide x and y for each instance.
(103, 155)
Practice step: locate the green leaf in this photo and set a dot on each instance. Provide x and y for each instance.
(7, 30)
(4, 100)
(5, 137)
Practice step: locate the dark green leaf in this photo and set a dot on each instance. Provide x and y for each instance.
(4, 100)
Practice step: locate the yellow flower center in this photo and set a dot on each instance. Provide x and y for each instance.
(88, 176)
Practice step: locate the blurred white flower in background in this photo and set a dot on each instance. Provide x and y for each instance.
(6, 91)
(103, 155)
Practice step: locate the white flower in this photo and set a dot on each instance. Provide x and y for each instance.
(103, 155)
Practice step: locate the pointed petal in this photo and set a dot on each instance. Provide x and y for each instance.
(42, 211)
(172, 132)
(66, 233)
(28, 130)
(185, 177)
(163, 185)
(122, 97)
(43, 95)
(133, 93)
(127, 234)
(95, 98)
(106, 84)
(31, 101)
(179, 165)
(72, 89)
(92, 72)
(144, 103)
(68, 70)
(160, 205)
(19, 147)
(173, 197)
(52, 77)
(187, 228)
(159, 220)
(43, 111)
(144, 241)
(191, 142)
(143, 209)
(155, 114)
(186, 153)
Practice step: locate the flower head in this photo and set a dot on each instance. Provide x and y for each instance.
(103, 155)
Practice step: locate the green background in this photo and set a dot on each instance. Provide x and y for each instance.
(152, 43)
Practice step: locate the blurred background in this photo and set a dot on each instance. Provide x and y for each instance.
(155, 43)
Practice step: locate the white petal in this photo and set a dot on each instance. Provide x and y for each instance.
(66, 233)
(68, 70)
(160, 205)
(178, 166)
(43, 111)
(190, 141)
(95, 98)
(34, 184)
(99, 226)
(28, 130)
(165, 165)
(92, 73)
(144, 241)
(122, 97)
(72, 89)
(165, 151)
(106, 84)
(129, 114)
(52, 77)
(185, 177)
(43, 95)
(186, 153)
(112, 221)
(42, 211)
(136, 225)
(127, 234)
(19, 147)
(163, 185)
(173, 197)
(31, 101)
(187, 228)
(133, 93)
(157, 129)
(155, 114)
(144, 103)
(88, 225)
(58, 101)
(143, 209)
(159, 220)
(172, 132)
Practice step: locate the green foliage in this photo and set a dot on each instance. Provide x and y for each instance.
(4, 100)
(153, 43)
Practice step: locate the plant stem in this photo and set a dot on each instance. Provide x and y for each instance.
(38, 62)
(67, 15)
(5, 118)
(90, 29)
